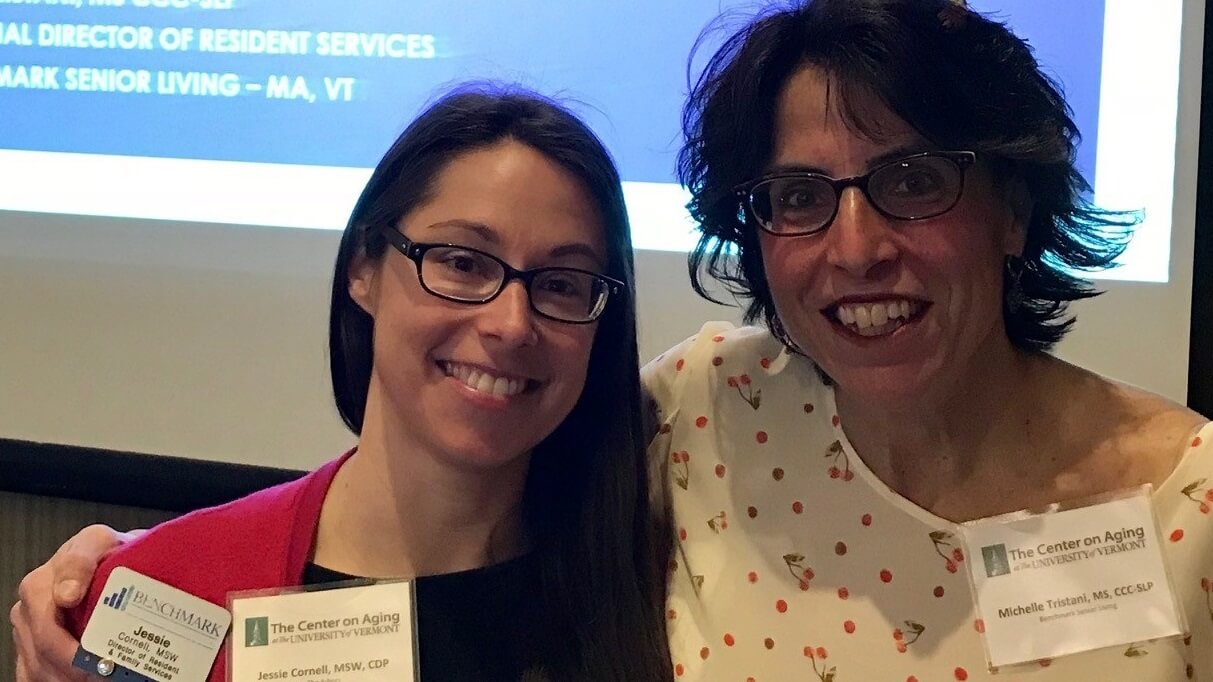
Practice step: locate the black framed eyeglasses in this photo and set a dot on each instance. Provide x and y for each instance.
(466, 275)
(913, 188)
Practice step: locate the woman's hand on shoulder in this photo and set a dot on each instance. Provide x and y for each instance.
(44, 646)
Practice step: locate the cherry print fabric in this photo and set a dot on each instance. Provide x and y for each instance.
(794, 562)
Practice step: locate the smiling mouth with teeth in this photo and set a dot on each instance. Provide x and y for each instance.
(481, 381)
(876, 318)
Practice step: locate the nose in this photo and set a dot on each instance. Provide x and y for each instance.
(509, 318)
(860, 238)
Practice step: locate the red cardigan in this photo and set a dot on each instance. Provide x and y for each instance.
(261, 541)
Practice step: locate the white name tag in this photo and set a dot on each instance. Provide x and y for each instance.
(1068, 581)
(353, 634)
(144, 629)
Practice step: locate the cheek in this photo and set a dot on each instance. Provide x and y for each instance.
(576, 347)
(791, 266)
(971, 250)
(569, 353)
(396, 345)
(961, 263)
(986, 227)
(407, 325)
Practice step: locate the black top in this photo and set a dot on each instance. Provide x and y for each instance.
(483, 625)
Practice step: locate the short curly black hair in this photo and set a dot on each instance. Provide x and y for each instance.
(960, 79)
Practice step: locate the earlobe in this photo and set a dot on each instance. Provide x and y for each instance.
(1015, 236)
(363, 284)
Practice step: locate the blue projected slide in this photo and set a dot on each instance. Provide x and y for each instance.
(272, 112)
(325, 83)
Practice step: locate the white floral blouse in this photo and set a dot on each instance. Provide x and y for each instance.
(794, 562)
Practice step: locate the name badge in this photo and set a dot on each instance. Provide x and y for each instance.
(351, 634)
(145, 631)
(1066, 581)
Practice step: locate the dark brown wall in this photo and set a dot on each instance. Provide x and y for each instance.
(32, 527)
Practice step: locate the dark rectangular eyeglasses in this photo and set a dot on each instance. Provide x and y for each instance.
(916, 187)
(466, 275)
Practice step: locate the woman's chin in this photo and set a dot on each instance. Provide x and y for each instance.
(892, 388)
(484, 455)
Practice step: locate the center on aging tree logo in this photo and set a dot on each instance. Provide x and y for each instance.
(257, 631)
(995, 557)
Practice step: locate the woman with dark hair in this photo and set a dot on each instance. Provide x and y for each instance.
(483, 348)
(890, 185)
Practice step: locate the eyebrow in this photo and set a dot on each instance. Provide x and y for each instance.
(489, 235)
(481, 230)
(899, 152)
(577, 249)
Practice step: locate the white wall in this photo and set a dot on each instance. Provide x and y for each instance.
(210, 341)
(202, 341)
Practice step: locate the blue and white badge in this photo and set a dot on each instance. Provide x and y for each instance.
(144, 630)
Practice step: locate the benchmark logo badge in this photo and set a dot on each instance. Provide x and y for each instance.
(119, 599)
(995, 557)
(257, 631)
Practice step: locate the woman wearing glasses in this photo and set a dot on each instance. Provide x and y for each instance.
(891, 186)
(896, 179)
(483, 349)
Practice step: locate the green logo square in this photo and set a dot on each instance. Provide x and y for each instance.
(257, 631)
(995, 557)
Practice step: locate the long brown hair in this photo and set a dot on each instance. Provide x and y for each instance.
(586, 499)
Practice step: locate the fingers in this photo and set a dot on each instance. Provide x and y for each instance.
(21, 671)
(45, 648)
(74, 564)
(22, 674)
(30, 666)
(43, 654)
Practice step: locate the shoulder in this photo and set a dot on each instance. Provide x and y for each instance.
(1141, 434)
(242, 545)
(715, 345)
(681, 377)
(210, 535)
(1154, 428)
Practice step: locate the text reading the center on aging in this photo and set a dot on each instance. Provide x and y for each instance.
(1077, 549)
